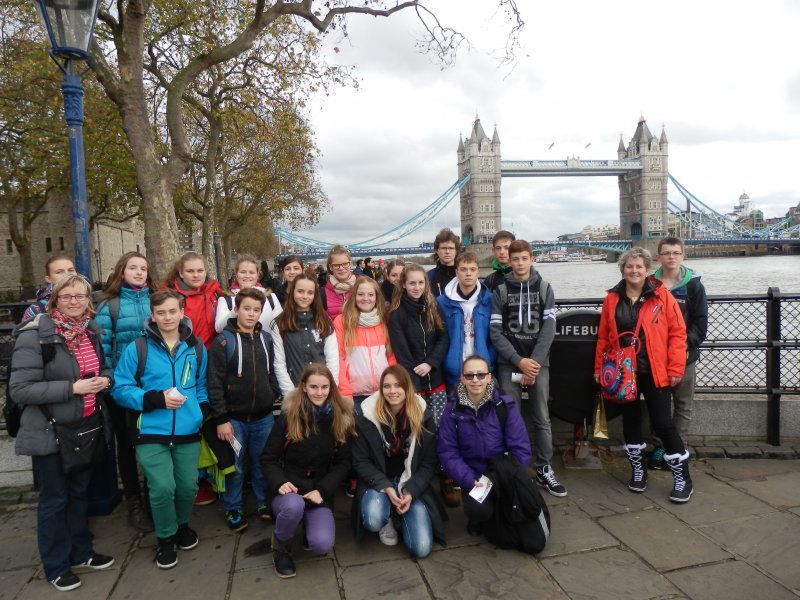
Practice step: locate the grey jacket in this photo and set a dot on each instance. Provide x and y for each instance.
(35, 382)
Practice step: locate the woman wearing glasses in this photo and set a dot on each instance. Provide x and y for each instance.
(58, 367)
(340, 280)
(479, 424)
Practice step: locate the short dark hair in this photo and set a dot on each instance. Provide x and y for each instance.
(518, 246)
(446, 235)
(252, 293)
(158, 298)
(287, 260)
(466, 257)
(671, 241)
(503, 235)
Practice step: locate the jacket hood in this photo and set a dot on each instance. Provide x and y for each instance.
(498, 267)
(43, 294)
(210, 286)
(184, 329)
(451, 292)
(513, 282)
(685, 275)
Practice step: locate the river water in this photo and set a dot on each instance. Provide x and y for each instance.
(720, 276)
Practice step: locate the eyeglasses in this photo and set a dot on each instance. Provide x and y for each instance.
(669, 254)
(72, 297)
(447, 248)
(474, 376)
(341, 266)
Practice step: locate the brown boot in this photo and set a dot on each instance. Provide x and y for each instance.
(451, 495)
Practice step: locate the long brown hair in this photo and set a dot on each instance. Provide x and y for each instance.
(300, 423)
(177, 267)
(414, 410)
(287, 320)
(350, 313)
(433, 320)
(118, 275)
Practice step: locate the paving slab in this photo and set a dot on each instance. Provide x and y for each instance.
(782, 491)
(709, 452)
(662, 540)
(573, 531)
(485, 572)
(749, 469)
(400, 579)
(770, 542)
(731, 580)
(744, 452)
(11, 582)
(315, 579)
(610, 574)
(599, 493)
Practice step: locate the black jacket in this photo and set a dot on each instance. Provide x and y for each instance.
(413, 343)
(251, 395)
(440, 276)
(496, 277)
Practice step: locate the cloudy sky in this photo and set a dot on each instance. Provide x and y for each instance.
(722, 77)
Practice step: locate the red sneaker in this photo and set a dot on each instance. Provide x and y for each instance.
(205, 495)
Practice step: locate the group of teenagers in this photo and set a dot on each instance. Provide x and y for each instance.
(385, 388)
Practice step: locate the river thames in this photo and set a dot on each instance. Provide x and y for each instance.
(721, 276)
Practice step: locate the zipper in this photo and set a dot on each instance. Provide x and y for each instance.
(425, 349)
(255, 371)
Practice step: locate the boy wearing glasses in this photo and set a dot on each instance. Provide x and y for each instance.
(445, 247)
(686, 288)
(522, 328)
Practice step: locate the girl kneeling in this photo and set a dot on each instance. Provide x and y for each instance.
(395, 458)
(306, 458)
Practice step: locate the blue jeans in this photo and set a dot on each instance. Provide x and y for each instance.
(415, 524)
(253, 437)
(62, 526)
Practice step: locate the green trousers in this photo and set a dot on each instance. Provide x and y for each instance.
(171, 473)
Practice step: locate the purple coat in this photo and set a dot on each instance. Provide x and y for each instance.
(468, 441)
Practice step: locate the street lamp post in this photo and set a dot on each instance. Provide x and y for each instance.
(69, 25)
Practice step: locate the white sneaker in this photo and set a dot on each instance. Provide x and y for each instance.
(388, 534)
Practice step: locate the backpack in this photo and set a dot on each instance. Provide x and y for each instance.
(12, 412)
(230, 346)
(230, 301)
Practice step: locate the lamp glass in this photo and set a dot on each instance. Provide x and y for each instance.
(69, 24)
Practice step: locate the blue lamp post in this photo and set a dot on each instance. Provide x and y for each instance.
(69, 25)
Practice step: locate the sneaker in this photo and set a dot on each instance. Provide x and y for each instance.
(655, 460)
(68, 581)
(205, 495)
(97, 562)
(166, 557)
(546, 477)
(186, 538)
(237, 522)
(388, 534)
(263, 512)
(352, 484)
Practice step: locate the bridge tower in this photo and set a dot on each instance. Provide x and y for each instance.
(480, 198)
(643, 194)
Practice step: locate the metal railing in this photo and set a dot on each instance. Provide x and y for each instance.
(753, 347)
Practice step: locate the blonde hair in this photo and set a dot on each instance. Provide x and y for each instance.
(71, 281)
(633, 254)
(414, 411)
(433, 320)
(300, 423)
(350, 313)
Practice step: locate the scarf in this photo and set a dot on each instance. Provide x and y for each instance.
(135, 288)
(342, 287)
(323, 413)
(72, 330)
(369, 319)
(463, 397)
(395, 441)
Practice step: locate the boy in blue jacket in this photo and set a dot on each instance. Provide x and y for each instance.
(169, 393)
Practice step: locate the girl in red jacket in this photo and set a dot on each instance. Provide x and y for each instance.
(660, 361)
(189, 277)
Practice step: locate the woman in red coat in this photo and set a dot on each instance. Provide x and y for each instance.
(660, 361)
(189, 277)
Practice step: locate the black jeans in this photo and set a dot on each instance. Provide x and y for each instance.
(477, 512)
(659, 406)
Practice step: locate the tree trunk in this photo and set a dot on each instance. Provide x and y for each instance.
(21, 238)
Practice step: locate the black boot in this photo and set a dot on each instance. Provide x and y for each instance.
(137, 515)
(679, 465)
(638, 482)
(282, 557)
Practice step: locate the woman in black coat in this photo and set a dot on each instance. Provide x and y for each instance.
(394, 456)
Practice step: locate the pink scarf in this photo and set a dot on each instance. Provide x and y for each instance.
(71, 329)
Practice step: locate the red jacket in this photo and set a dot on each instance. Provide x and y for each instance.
(334, 301)
(664, 331)
(200, 305)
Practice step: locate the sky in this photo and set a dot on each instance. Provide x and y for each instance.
(722, 78)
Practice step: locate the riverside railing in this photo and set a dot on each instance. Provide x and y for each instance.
(753, 347)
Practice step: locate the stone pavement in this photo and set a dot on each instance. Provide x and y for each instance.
(739, 537)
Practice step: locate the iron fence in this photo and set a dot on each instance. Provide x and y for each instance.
(753, 347)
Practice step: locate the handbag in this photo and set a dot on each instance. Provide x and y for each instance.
(618, 370)
(600, 425)
(81, 445)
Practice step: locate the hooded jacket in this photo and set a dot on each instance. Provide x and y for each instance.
(245, 387)
(200, 305)
(134, 310)
(440, 276)
(295, 350)
(272, 308)
(454, 309)
(662, 324)
(37, 382)
(413, 343)
(690, 294)
(523, 322)
(421, 464)
(360, 368)
(470, 437)
(40, 305)
(164, 369)
(496, 277)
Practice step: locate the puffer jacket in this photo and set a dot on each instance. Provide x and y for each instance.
(413, 343)
(164, 369)
(134, 310)
(469, 438)
(37, 382)
(200, 306)
(662, 323)
(360, 369)
(333, 300)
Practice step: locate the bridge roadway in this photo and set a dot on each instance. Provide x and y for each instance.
(567, 168)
